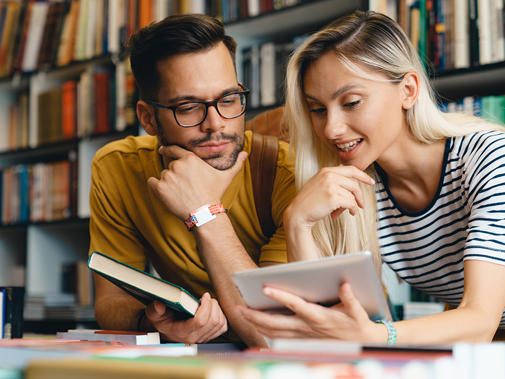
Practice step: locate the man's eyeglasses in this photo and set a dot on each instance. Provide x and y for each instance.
(193, 113)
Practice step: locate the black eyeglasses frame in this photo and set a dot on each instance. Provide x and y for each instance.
(211, 103)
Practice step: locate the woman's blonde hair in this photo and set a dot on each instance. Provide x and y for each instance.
(373, 41)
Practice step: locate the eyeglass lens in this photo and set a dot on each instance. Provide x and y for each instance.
(228, 106)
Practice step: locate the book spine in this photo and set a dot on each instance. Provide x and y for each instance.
(474, 32)
(69, 113)
(461, 34)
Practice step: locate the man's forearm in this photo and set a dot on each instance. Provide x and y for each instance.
(223, 254)
(118, 313)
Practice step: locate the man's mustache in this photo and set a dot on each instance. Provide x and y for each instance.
(214, 137)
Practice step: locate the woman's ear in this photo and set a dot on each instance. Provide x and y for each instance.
(145, 114)
(409, 88)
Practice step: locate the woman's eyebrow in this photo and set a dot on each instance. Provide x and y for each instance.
(337, 93)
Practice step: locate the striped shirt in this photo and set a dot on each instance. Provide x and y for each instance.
(465, 220)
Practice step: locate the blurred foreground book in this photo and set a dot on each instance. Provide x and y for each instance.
(125, 337)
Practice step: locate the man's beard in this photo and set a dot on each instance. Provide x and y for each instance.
(218, 161)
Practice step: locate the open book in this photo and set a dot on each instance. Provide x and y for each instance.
(143, 286)
(317, 281)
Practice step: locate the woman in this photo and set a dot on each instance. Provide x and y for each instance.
(360, 107)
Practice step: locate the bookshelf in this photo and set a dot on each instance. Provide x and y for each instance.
(481, 80)
(33, 252)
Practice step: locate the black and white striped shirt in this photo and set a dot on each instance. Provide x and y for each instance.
(465, 220)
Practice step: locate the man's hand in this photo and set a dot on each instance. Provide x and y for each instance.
(189, 182)
(208, 323)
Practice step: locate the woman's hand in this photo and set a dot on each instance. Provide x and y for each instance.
(344, 321)
(331, 191)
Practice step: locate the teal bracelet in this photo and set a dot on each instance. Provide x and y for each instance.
(391, 331)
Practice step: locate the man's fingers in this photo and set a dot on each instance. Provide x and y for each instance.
(153, 182)
(203, 314)
(210, 323)
(235, 169)
(173, 151)
(204, 309)
(155, 311)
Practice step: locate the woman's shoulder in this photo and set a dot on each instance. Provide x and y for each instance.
(479, 142)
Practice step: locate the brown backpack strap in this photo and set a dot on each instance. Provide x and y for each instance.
(263, 161)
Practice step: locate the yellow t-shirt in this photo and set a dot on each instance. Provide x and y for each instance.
(130, 224)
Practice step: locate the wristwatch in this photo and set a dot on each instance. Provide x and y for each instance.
(203, 215)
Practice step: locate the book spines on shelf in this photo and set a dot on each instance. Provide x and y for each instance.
(39, 192)
(43, 34)
(97, 101)
(490, 108)
(263, 72)
(457, 33)
(69, 114)
(77, 279)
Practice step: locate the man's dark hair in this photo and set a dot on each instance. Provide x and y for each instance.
(174, 35)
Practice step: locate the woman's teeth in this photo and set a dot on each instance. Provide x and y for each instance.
(348, 146)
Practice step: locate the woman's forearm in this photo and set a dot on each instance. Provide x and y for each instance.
(462, 324)
(300, 243)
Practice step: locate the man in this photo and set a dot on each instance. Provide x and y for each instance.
(145, 189)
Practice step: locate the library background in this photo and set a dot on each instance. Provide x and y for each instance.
(66, 89)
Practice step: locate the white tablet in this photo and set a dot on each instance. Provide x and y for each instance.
(317, 281)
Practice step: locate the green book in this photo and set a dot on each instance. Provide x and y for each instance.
(141, 285)
(493, 109)
(500, 109)
(423, 32)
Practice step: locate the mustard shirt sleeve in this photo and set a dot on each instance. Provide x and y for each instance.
(283, 193)
(111, 231)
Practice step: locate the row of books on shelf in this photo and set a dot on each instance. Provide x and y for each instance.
(39, 192)
(455, 34)
(43, 34)
(233, 10)
(490, 108)
(99, 100)
(63, 113)
(263, 69)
